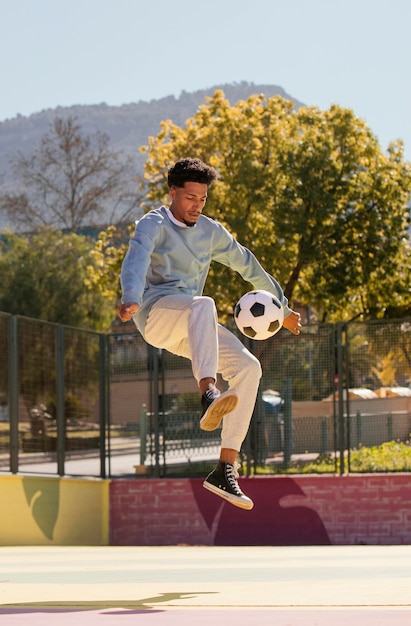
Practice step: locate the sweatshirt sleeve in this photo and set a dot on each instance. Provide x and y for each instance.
(239, 258)
(136, 262)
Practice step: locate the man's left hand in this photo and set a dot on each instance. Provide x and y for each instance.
(293, 323)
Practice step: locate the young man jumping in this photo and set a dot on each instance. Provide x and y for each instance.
(162, 278)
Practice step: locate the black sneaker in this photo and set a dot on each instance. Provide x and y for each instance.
(223, 482)
(215, 406)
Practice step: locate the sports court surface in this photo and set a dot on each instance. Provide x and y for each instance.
(159, 586)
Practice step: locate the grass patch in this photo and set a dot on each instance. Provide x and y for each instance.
(391, 456)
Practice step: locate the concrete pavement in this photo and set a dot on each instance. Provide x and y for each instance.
(285, 586)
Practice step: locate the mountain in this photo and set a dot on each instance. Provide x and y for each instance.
(128, 126)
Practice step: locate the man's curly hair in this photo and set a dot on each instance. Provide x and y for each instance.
(190, 171)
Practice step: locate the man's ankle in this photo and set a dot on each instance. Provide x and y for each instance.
(228, 455)
(205, 383)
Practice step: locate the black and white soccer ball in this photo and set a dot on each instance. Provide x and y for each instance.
(259, 314)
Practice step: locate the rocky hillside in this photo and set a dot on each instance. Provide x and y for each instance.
(128, 126)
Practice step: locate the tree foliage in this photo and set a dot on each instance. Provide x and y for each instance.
(103, 273)
(71, 180)
(310, 192)
(46, 276)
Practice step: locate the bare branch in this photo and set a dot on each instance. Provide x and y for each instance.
(72, 180)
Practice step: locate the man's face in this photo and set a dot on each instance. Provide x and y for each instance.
(188, 202)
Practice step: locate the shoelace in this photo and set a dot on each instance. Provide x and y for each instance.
(232, 475)
(212, 393)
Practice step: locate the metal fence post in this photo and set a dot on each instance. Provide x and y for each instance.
(340, 388)
(60, 405)
(358, 428)
(323, 438)
(288, 424)
(103, 375)
(13, 393)
(153, 357)
(250, 440)
(143, 435)
(389, 427)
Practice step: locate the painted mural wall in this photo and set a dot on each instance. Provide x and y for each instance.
(297, 510)
(301, 510)
(53, 511)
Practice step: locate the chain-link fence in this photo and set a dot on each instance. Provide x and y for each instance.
(76, 402)
(51, 380)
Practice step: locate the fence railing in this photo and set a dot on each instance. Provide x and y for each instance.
(75, 402)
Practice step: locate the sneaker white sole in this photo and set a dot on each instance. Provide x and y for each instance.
(242, 503)
(224, 404)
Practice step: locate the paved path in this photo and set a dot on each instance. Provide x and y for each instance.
(238, 586)
(119, 465)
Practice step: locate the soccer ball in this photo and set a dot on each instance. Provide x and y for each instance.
(259, 314)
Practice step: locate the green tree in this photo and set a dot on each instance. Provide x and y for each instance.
(103, 272)
(309, 191)
(46, 276)
(346, 202)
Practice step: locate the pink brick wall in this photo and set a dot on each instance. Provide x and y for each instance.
(300, 510)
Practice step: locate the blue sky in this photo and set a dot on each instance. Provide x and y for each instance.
(355, 53)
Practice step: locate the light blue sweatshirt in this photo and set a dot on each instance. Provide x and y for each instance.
(165, 259)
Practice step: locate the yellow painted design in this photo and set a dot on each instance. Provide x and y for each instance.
(53, 511)
(43, 497)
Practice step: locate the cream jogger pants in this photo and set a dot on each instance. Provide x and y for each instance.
(187, 326)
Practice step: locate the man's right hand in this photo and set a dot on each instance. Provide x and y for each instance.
(127, 310)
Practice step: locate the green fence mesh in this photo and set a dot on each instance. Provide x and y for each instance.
(335, 399)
